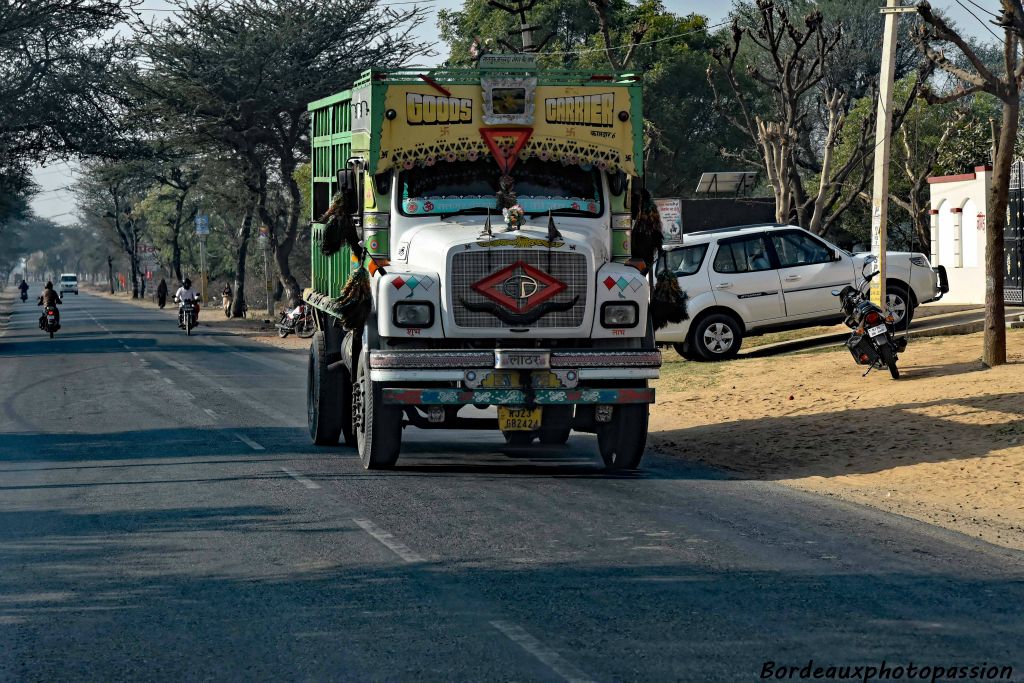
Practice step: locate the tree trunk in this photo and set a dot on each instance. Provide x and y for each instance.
(238, 302)
(283, 248)
(995, 320)
(110, 273)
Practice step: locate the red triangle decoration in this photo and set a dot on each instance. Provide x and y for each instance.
(506, 155)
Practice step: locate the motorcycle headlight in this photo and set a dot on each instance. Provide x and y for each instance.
(620, 314)
(413, 314)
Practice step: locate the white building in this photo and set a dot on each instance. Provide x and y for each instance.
(958, 232)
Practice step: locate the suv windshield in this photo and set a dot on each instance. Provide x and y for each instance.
(471, 187)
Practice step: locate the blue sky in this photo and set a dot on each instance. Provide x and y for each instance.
(56, 202)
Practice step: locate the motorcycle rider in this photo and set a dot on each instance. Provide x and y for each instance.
(24, 290)
(49, 298)
(186, 293)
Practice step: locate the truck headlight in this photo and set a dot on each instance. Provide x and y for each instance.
(413, 314)
(620, 314)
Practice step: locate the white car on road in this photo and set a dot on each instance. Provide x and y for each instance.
(754, 279)
(68, 283)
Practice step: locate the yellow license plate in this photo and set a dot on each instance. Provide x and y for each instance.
(518, 419)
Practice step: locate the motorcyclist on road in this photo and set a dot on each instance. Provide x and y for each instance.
(49, 298)
(24, 290)
(186, 293)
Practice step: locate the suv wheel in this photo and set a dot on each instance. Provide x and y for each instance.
(717, 337)
(899, 303)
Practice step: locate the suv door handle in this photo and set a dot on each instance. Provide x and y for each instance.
(723, 285)
(792, 278)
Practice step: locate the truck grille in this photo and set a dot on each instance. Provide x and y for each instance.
(470, 267)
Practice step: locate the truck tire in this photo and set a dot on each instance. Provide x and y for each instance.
(621, 442)
(323, 396)
(557, 421)
(377, 427)
(716, 337)
(685, 349)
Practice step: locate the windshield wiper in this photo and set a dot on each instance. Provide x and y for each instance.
(477, 210)
(563, 212)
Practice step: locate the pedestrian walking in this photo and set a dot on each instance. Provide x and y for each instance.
(161, 293)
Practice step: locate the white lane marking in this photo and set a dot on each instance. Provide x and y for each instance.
(168, 380)
(134, 353)
(249, 442)
(210, 413)
(552, 659)
(301, 479)
(389, 541)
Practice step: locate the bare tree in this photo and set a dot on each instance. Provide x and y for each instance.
(789, 74)
(976, 77)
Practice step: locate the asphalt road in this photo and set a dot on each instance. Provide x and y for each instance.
(163, 516)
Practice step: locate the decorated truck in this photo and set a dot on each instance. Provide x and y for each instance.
(470, 251)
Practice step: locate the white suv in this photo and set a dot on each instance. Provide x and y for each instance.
(68, 283)
(754, 279)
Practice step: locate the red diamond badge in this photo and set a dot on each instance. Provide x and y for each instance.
(519, 287)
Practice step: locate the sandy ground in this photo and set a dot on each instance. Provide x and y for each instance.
(943, 444)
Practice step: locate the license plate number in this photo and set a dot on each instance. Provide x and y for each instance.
(876, 330)
(518, 419)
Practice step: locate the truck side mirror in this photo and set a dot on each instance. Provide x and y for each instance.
(617, 183)
(348, 185)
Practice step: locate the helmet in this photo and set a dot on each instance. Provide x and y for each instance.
(187, 283)
(49, 285)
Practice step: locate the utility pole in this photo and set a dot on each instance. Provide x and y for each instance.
(525, 28)
(883, 135)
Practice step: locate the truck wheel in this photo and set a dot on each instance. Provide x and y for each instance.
(519, 439)
(377, 427)
(716, 337)
(323, 396)
(622, 441)
(685, 349)
(557, 421)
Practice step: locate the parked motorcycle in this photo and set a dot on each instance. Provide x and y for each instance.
(873, 341)
(187, 315)
(49, 322)
(298, 320)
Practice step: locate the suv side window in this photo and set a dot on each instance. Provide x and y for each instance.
(686, 261)
(742, 255)
(800, 249)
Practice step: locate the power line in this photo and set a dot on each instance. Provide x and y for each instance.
(985, 24)
(646, 42)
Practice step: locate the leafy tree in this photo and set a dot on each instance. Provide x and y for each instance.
(58, 96)
(1004, 84)
(238, 74)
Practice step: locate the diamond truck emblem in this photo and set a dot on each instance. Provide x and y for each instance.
(519, 287)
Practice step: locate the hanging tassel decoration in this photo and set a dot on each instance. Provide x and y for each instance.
(668, 301)
(334, 230)
(646, 238)
(356, 300)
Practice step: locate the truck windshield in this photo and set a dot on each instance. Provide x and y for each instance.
(471, 187)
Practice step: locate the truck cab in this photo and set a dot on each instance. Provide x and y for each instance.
(487, 217)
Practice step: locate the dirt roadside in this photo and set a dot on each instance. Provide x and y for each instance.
(944, 444)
